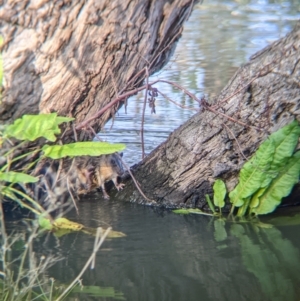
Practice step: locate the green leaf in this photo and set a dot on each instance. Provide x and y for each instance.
(64, 223)
(81, 149)
(181, 211)
(254, 173)
(45, 223)
(210, 204)
(243, 209)
(62, 119)
(280, 187)
(31, 127)
(255, 199)
(6, 191)
(219, 193)
(286, 140)
(17, 177)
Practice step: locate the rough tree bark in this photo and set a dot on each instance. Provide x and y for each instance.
(262, 96)
(72, 57)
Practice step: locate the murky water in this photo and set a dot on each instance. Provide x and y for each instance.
(172, 257)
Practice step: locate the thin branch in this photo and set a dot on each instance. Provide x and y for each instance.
(109, 105)
(239, 146)
(232, 119)
(135, 181)
(143, 114)
(235, 93)
(72, 197)
(176, 103)
(191, 95)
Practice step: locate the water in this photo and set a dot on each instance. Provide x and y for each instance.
(219, 37)
(172, 257)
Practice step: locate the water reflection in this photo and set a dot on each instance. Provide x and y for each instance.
(272, 259)
(218, 38)
(172, 257)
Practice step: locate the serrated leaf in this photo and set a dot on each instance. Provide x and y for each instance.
(17, 177)
(254, 173)
(219, 193)
(31, 127)
(280, 187)
(81, 149)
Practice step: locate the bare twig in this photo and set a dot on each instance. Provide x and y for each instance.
(239, 146)
(232, 119)
(72, 197)
(187, 92)
(96, 242)
(176, 103)
(235, 93)
(109, 105)
(135, 181)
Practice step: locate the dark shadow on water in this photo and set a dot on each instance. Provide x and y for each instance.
(173, 257)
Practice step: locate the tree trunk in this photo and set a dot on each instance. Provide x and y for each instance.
(262, 96)
(73, 57)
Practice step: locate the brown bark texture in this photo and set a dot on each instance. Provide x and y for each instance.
(262, 96)
(72, 57)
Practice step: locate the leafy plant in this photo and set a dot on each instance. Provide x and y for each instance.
(266, 178)
(30, 128)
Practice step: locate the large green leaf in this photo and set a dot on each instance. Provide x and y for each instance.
(219, 193)
(280, 187)
(254, 173)
(286, 140)
(81, 149)
(31, 127)
(17, 177)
